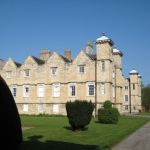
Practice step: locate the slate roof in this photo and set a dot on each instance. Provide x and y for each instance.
(39, 61)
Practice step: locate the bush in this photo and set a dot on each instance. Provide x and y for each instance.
(108, 114)
(79, 113)
(107, 105)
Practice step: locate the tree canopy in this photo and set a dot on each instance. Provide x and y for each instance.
(146, 98)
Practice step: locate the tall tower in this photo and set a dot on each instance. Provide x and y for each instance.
(140, 90)
(134, 87)
(118, 78)
(103, 69)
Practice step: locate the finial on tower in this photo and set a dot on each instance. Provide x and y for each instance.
(103, 34)
(104, 39)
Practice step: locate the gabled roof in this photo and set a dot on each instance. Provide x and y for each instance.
(91, 56)
(65, 59)
(17, 64)
(38, 61)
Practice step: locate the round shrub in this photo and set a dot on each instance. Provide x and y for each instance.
(79, 113)
(107, 104)
(108, 114)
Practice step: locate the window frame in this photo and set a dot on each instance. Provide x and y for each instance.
(53, 71)
(70, 90)
(126, 98)
(55, 107)
(126, 88)
(103, 67)
(9, 74)
(26, 94)
(26, 72)
(40, 109)
(126, 107)
(12, 90)
(88, 89)
(82, 69)
(113, 91)
(25, 107)
(38, 92)
(53, 89)
(103, 88)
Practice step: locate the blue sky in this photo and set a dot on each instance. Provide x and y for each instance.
(26, 26)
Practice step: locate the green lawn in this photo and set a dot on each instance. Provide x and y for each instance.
(145, 113)
(53, 133)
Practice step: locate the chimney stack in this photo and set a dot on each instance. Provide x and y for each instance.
(89, 47)
(45, 54)
(67, 54)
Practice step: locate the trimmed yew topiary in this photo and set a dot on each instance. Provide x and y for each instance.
(79, 113)
(107, 104)
(108, 114)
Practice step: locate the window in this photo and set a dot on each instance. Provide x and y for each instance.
(102, 88)
(26, 73)
(25, 107)
(103, 66)
(26, 91)
(53, 71)
(126, 88)
(82, 69)
(72, 89)
(126, 98)
(9, 74)
(133, 86)
(126, 107)
(91, 90)
(56, 90)
(113, 74)
(113, 90)
(14, 91)
(40, 108)
(40, 90)
(56, 108)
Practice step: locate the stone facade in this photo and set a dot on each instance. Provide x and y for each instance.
(45, 84)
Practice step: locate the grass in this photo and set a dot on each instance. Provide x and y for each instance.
(145, 113)
(54, 133)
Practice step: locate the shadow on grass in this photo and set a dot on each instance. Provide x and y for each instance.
(34, 143)
(70, 128)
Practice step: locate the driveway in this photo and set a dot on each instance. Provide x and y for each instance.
(139, 140)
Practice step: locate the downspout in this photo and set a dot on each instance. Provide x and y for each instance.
(95, 87)
(115, 86)
(130, 97)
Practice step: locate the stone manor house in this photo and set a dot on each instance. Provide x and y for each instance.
(45, 84)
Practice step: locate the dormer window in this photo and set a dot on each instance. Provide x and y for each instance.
(53, 71)
(26, 73)
(9, 74)
(82, 69)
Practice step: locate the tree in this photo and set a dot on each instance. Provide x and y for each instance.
(10, 126)
(146, 98)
